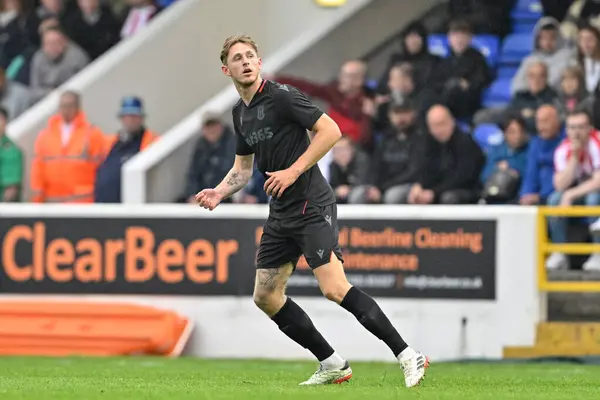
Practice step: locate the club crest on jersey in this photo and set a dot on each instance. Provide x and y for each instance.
(260, 113)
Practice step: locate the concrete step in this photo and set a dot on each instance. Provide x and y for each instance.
(574, 307)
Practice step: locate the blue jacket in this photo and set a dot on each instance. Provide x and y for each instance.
(517, 159)
(540, 167)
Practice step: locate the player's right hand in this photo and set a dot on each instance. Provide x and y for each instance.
(209, 199)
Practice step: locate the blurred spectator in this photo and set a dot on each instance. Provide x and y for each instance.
(556, 8)
(588, 56)
(132, 138)
(14, 97)
(414, 51)
(93, 27)
(450, 166)
(348, 100)
(572, 93)
(506, 164)
(537, 182)
(402, 87)
(486, 16)
(462, 76)
(55, 63)
(137, 15)
(527, 101)
(580, 12)
(11, 164)
(212, 158)
(18, 28)
(348, 170)
(51, 9)
(576, 182)
(394, 168)
(67, 155)
(253, 192)
(549, 48)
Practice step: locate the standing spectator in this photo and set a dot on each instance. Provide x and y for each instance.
(14, 97)
(395, 165)
(212, 158)
(137, 15)
(576, 181)
(572, 93)
(348, 169)
(537, 182)
(118, 149)
(464, 74)
(348, 98)
(588, 56)
(93, 27)
(67, 155)
(55, 63)
(506, 164)
(11, 164)
(538, 93)
(450, 165)
(549, 48)
(415, 52)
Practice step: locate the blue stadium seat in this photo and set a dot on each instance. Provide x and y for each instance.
(438, 45)
(372, 84)
(487, 135)
(498, 94)
(527, 10)
(489, 46)
(523, 26)
(507, 71)
(515, 47)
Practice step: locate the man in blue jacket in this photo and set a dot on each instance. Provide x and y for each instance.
(537, 184)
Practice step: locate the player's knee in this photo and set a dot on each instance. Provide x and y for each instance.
(336, 292)
(268, 301)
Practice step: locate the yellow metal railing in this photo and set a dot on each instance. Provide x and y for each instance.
(546, 247)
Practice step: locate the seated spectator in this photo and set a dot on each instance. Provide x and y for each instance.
(132, 138)
(11, 164)
(19, 27)
(537, 182)
(55, 63)
(549, 48)
(576, 182)
(588, 56)
(572, 93)
(506, 164)
(538, 93)
(394, 168)
(462, 76)
(253, 192)
(14, 97)
(93, 27)
(580, 12)
(137, 15)
(212, 158)
(450, 164)
(346, 98)
(402, 87)
(415, 52)
(67, 155)
(51, 9)
(348, 170)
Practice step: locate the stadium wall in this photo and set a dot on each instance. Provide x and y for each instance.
(458, 282)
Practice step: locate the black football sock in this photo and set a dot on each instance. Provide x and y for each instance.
(368, 313)
(295, 323)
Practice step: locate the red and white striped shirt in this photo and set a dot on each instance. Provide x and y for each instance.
(589, 161)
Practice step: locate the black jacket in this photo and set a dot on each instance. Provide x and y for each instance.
(471, 66)
(356, 174)
(210, 163)
(396, 160)
(95, 38)
(456, 164)
(527, 100)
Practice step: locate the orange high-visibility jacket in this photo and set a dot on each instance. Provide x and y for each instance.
(148, 138)
(66, 174)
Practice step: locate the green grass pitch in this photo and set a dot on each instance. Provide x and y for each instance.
(187, 378)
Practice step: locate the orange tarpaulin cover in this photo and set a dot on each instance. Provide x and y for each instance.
(60, 328)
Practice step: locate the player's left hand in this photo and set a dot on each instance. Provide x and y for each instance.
(279, 181)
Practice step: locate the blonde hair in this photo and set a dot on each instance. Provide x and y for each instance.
(232, 41)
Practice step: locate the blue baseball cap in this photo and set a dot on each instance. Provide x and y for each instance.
(131, 105)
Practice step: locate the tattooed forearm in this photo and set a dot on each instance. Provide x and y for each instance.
(233, 182)
(233, 179)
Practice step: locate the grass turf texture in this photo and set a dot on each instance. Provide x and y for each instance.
(157, 378)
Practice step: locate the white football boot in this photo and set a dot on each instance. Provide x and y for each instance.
(325, 376)
(413, 364)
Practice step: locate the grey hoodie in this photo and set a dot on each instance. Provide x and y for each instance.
(556, 62)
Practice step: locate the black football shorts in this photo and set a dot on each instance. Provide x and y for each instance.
(313, 233)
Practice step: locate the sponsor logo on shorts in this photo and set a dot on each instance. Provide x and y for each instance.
(328, 219)
(320, 253)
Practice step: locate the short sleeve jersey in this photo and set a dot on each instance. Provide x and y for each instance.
(589, 161)
(274, 127)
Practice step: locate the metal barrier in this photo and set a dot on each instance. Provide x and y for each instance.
(546, 247)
